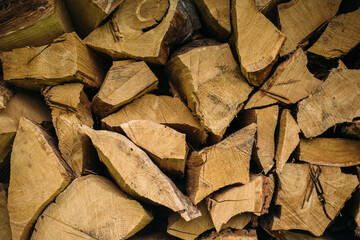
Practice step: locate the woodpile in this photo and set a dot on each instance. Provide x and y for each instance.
(179, 119)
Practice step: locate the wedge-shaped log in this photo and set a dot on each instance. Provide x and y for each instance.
(144, 30)
(38, 174)
(266, 120)
(229, 234)
(5, 230)
(257, 40)
(80, 209)
(67, 60)
(220, 165)
(165, 146)
(136, 174)
(339, 152)
(334, 101)
(298, 19)
(87, 15)
(288, 139)
(5, 94)
(233, 200)
(311, 197)
(211, 82)
(159, 109)
(340, 36)
(290, 83)
(124, 82)
(31, 23)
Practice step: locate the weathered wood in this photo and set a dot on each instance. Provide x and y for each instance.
(31, 23)
(334, 101)
(5, 94)
(159, 109)
(266, 120)
(91, 207)
(220, 165)
(288, 139)
(38, 174)
(300, 199)
(67, 58)
(140, 178)
(233, 200)
(164, 145)
(290, 83)
(298, 19)
(257, 41)
(229, 234)
(340, 36)
(144, 30)
(124, 82)
(5, 231)
(337, 152)
(210, 80)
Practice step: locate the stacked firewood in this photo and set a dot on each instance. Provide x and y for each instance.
(179, 119)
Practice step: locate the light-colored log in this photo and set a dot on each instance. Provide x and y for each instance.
(257, 40)
(38, 174)
(91, 207)
(5, 230)
(5, 94)
(136, 174)
(124, 82)
(238, 221)
(298, 19)
(67, 59)
(220, 165)
(334, 101)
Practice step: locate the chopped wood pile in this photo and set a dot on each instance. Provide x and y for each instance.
(179, 119)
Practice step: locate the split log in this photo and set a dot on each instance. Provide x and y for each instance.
(5, 231)
(5, 94)
(86, 15)
(229, 234)
(298, 19)
(238, 221)
(268, 8)
(290, 83)
(233, 200)
(31, 23)
(288, 139)
(140, 178)
(69, 58)
(159, 109)
(165, 146)
(334, 101)
(266, 120)
(38, 174)
(78, 213)
(311, 196)
(144, 30)
(337, 152)
(257, 41)
(124, 82)
(340, 36)
(210, 80)
(220, 165)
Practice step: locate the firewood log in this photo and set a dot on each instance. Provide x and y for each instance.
(5, 94)
(32, 23)
(268, 7)
(257, 41)
(38, 174)
(80, 213)
(229, 234)
(5, 231)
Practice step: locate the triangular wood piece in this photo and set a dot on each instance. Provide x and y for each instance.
(5, 94)
(159, 109)
(38, 174)
(136, 174)
(165, 146)
(143, 31)
(337, 152)
(300, 18)
(288, 139)
(197, 74)
(334, 101)
(229, 234)
(220, 165)
(69, 58)
(91, 207)
(290, 83)
(5, 230)
(340, 36)
(233, 200)
(124, 82)
(302, 205)
(257, 40)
